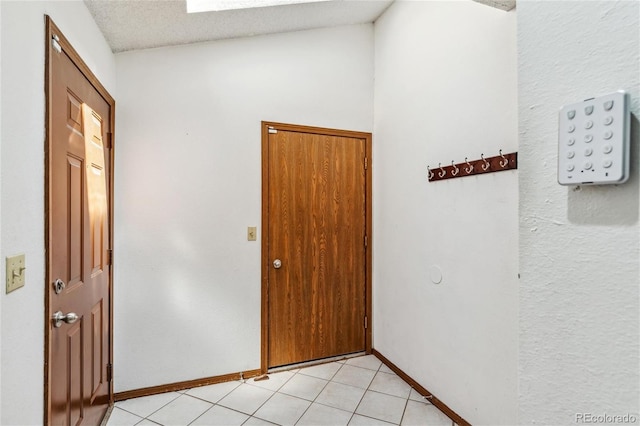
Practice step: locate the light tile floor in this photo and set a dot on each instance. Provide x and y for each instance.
(358, 391)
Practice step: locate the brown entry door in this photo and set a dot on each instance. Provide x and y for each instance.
(79, 164)
(316, 245)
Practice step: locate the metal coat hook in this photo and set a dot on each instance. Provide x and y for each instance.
(455, 170)
(473, 167)
(504, 161)
(470, 168)
(486, 164)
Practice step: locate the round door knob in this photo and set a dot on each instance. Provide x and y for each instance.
(59, 318)
(277, 263)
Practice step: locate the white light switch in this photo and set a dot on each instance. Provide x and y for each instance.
(593, 141)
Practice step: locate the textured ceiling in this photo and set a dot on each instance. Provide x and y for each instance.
(142, 24)
(500, 4)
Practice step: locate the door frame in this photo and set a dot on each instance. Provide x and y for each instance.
(265, 262)
(50, 30)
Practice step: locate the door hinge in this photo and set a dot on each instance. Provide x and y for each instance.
(110, 257)
(366, 163)
(109, 141)
(366, 322)
(272, 131)
(109, 372)
(55, 43)
(366, 241)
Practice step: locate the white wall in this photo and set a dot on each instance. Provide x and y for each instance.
(445, 90)
(188, 117)
(188, 170)
(2, 277)
(22, 191)
(579, 248)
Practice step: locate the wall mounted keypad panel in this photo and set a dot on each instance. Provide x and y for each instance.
(593, 141)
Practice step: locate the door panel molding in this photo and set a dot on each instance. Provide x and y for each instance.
(266, 220)
(74, 122)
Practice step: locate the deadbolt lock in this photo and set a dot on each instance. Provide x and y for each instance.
(58, 286)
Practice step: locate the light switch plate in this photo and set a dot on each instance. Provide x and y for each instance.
(593, 141)
(252, 233)
(15, 272)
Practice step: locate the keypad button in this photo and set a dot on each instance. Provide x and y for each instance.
(608, 105)
(570, 167)
(607, 149)
(571, 114)
(608, 134)
(588, 165)
(588, 109)
(588, 152)
(588, 124)
(607, 163)
(571, 141)
(571, 128)
(608, 120)
(588, 138)
(571, 154)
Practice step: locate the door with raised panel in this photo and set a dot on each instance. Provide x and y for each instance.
(316, 263)
(77, 385)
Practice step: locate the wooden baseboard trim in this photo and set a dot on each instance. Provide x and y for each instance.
(422, 391)
(172, 387)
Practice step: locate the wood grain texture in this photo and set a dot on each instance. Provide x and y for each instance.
(317, 221)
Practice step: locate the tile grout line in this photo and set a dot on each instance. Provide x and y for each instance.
(215, 384)
(406, 404)
(331, 381)
(181, 395)
(226, 395)
(278, 391)
(149, 420)
(268, 399)
(321, 390)
(147, 417)
(365, 392)
(258, 409)
(126, 411)
(407, 398)
(205, 411)
(161, 408)
(214, 404)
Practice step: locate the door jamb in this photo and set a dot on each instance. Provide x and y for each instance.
(50, 29)
(264, 347)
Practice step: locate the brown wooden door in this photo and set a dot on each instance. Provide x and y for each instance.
(316, 229)
(79, 235)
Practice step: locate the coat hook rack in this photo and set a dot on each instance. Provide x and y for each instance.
(498, 163)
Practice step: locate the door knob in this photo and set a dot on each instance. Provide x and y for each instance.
(277, 263)
(59, 318)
